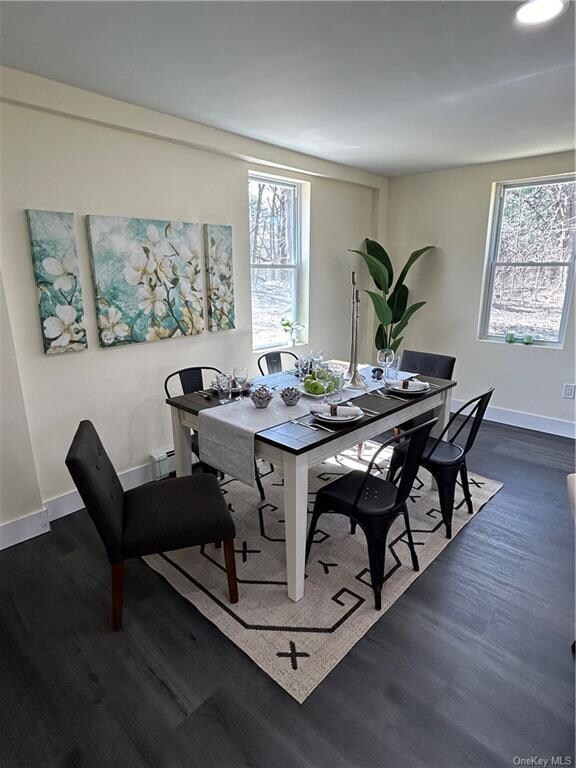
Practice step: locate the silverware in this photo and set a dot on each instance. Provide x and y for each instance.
(364, 410)
(388, 397)
(321, 426)
(203, 394)
(302, 424)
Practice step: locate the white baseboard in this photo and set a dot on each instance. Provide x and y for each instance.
(23, 528)
(525, 420)
(59, 506)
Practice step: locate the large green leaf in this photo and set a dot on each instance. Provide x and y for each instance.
(413, 258)
(407, 315)
(396, 344)
(377, 251)
(398, 301)
(380, 340)
(377, 270)
(383, 311)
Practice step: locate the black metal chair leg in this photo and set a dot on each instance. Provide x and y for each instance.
(466, 488)
(312, 530)
(446, 481)
(376, 555)
(414, 556)
(353, 525)
(259, 482)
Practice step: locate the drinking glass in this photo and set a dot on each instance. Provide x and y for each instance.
(315, 358)
(240, 377)
(393, 369)
(224, 384)
(303, 366)
(384, 358)
(334, 397)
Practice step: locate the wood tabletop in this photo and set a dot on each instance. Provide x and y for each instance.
(296, 438)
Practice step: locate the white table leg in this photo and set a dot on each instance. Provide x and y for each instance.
(182, 446)
(443, 413)
(296, 519)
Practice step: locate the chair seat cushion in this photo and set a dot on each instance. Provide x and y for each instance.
(444, 453)
(377, 498)
(175, 513)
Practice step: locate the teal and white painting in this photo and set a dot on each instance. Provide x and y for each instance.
(219, 277)
(55, 263)
(147, 277)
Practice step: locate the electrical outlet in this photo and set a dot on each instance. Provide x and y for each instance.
(568, 391)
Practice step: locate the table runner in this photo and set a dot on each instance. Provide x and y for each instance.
(226, 434)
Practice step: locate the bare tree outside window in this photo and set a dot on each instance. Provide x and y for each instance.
(275, 259)
(531, 260)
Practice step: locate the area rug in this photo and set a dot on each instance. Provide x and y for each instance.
(298, 644)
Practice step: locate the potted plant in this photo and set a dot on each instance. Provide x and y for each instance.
(292, 328)
(391, 303)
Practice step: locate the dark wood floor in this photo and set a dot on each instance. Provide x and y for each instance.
(471, 667)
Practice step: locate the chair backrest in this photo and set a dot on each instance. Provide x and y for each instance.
(99, 486)
(428, 364)
(416, 438)
(191, 379)
(273, 362)
(470, 421)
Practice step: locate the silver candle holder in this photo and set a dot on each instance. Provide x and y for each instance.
(356, 380)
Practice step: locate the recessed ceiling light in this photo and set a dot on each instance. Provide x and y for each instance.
(539, 11)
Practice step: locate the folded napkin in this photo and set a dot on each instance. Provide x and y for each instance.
(341, 410)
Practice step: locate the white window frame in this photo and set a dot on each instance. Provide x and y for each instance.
(494, 225)
(299, 267)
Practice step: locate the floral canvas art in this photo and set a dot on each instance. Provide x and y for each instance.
(219, 277)
(147, 277)
(55, 263)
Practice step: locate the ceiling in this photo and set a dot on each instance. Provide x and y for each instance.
(390, 87)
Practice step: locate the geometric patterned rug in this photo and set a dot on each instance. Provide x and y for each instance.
(298, 644)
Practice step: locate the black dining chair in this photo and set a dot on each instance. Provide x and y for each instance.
(192, 380)
(156, 517)
(374, 503)
(428, 364)
(445, 459)
(273, 362)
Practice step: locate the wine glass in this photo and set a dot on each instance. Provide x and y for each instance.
(384, 358)
(240, 377)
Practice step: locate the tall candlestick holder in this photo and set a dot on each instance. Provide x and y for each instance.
(356, 380)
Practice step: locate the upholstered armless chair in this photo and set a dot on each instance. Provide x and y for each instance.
(155, 517)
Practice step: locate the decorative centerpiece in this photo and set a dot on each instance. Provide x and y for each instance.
(290, 395)
(261, 397)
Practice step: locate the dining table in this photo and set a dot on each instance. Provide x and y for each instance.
(294, 447)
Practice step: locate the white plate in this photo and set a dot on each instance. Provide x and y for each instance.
(337, 419)
(309, 394)
(415, 387)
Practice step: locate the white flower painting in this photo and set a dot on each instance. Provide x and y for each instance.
(148, 279)
(55, 264)
(219, 277)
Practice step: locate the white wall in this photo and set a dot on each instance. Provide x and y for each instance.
(450, 209)
(19, 492)
(53, 160)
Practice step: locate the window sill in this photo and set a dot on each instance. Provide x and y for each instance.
(535, 344)
(279, 347)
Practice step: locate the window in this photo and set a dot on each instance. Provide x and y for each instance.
(530, 260)
(275, 261)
